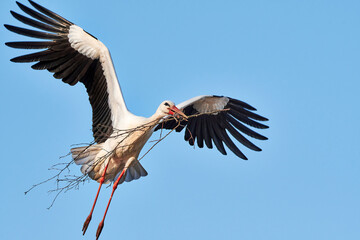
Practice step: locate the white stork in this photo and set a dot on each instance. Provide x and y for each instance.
(74, 55)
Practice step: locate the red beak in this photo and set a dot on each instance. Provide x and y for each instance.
(174, 110)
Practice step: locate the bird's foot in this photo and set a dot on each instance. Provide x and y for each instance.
(86, 224)
(100, 227)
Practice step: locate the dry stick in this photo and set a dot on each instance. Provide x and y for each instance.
(58, 174)
(191, 137)
(74, 183)
(159, 140)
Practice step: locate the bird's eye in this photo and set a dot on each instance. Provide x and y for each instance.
(166, 104)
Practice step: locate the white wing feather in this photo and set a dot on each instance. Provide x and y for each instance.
(95, 49)
(205, 103)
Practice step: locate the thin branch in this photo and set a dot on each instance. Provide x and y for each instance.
(65, 182)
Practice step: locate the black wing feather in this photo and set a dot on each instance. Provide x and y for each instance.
(36, 24)
(246, 120)
(229, 143)
(42, 17)
(50, 13)
(240, 137)
(247, 113)
(217, 141)
(198, 131)
(214, 127)
(190, 132)
(244, 129)
(242, 104)
(31, 45)
(32, 33)
(206, 133)
(64, 61)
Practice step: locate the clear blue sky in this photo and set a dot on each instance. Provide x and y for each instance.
(297, 62)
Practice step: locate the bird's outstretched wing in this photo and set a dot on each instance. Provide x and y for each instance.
(73, 55)
(211, 118)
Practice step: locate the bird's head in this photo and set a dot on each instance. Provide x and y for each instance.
(168, 108)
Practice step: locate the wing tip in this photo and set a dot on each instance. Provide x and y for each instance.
(20, 4)
(13, 13)
(264, 119)
(257, 149)
(241, 155)
(34, 4)
(7, 26)
(223, 152)
(35, 67)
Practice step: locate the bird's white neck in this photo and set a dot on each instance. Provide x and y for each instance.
(156, 117)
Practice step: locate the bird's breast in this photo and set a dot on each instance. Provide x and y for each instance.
(131, 142)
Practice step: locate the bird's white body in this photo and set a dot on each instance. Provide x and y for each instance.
(124, 144)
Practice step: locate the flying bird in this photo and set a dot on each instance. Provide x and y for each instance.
(74, 55)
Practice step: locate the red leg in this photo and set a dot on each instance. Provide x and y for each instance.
(101, 224)
(88, 219)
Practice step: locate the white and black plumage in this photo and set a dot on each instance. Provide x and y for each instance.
(228, 116)
(74, 55)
